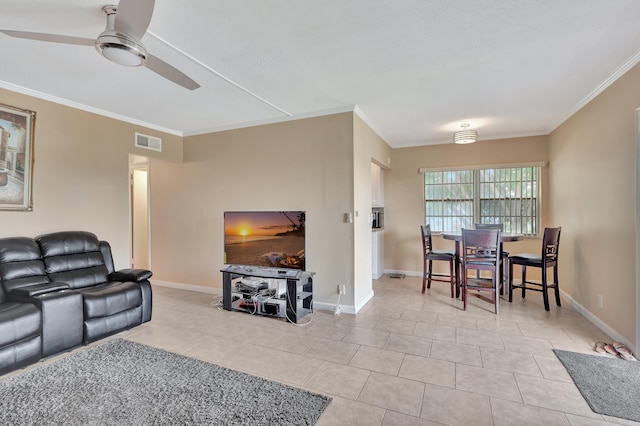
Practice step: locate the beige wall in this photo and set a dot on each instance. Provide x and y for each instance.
(404, 193)
(368, 147)
(298, 165)
(81, 174)
(592, 162)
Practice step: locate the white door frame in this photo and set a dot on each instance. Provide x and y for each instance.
(137, 163)
(637, 177)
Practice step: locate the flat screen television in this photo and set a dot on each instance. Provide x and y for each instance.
(265, 238)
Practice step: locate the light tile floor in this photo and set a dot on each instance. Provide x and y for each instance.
(405, 359)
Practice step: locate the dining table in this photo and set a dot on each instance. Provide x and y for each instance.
(505, 237)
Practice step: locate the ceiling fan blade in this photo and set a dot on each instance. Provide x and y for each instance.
(169, 72)
(54, 38)
(133, 17)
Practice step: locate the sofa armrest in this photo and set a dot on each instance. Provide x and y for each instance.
(135, 275)
(38, 289)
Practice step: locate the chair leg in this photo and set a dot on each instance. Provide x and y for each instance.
(458, 267)
(496, 296)
(424, 274)
(524, 279)
(510, 279)
(501, 278)
(557, 288)
(463, 292)
(545, 295)
(505, 271)
(452, 276)
(430, 272)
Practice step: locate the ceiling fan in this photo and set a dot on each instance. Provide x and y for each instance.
(120, 41)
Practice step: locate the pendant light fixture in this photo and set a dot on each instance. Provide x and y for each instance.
(465, 136)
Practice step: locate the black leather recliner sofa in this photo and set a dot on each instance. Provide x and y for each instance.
(60, 291)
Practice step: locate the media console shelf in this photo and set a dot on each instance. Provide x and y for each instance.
(277, 292)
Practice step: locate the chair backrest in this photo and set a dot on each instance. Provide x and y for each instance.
(427, 243)
(21, 264)
(481, 248)
(499, 226)
(550, 245)
(73, 257)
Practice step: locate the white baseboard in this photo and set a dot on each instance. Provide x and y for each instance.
(189, 287)
(609, 331)
(324, 306)
(364, 302)
(347, 309)
(407, 273)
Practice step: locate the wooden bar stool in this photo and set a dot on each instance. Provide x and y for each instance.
(504, 266)
(547, 259)
(429, 255)
(481, 252)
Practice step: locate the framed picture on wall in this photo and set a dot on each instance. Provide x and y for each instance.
(16, 158)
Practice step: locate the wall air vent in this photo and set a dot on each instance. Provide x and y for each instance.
(148, 142)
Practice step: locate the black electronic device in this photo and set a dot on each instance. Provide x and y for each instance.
(270, 308)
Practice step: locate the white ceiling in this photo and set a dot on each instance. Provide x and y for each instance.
(413, 69)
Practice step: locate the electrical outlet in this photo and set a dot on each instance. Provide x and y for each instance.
(600, 301)
(342, 290)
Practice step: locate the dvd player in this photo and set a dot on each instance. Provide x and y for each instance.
(258, 271)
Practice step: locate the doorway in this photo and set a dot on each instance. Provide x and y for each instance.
(139, 204)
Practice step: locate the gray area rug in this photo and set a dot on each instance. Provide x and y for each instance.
(611, 386)
(125, 383)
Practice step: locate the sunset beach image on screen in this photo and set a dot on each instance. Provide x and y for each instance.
(265, 238)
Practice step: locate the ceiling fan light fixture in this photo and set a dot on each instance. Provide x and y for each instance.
(121, 50)
(465, 136)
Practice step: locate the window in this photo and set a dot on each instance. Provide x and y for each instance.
(456, 199)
